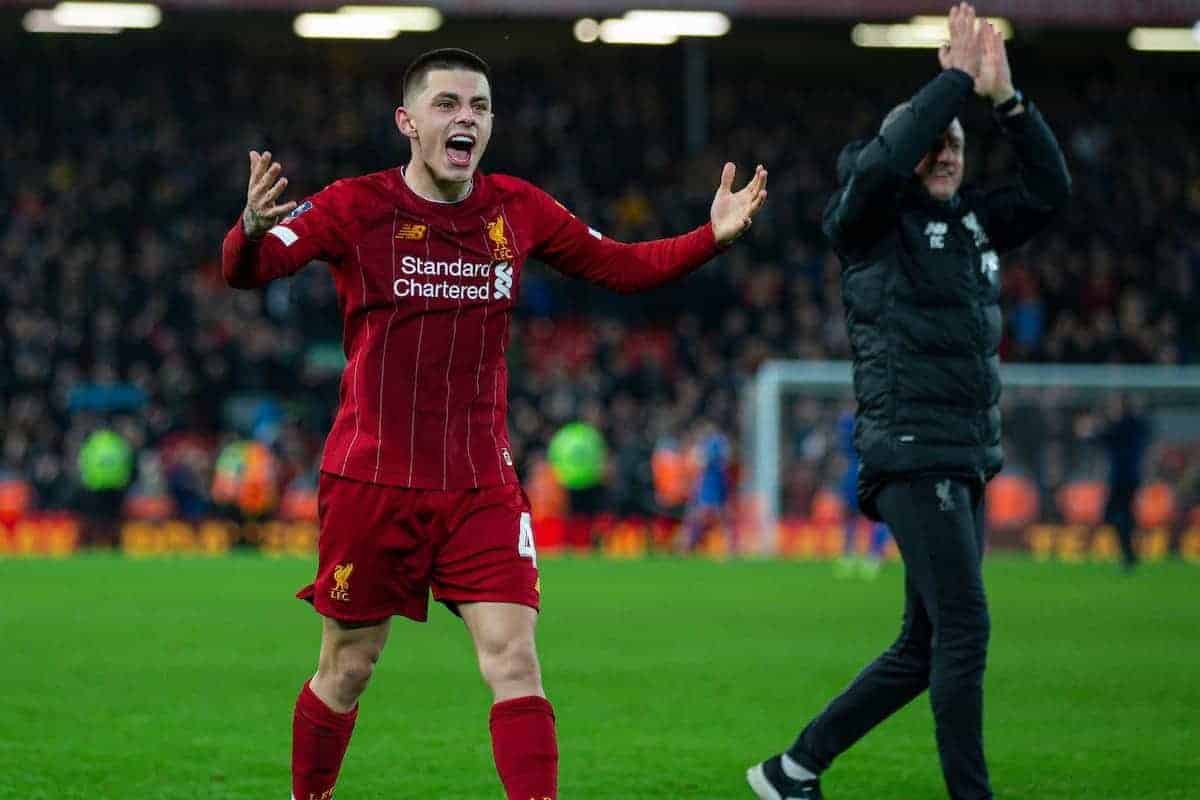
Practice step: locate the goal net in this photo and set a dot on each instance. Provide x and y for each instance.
(1050, 499)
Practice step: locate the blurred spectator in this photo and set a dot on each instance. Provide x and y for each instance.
(710, 504)
(106, 462)
(852, 564)
(246, 481)
(579, 457)
(1125, 436)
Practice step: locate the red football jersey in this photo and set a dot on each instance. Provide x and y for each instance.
(426, 291)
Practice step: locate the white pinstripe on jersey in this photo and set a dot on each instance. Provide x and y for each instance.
(362, 272)
(412, 424)
(383, 357)
(495, 373)
(449, 364)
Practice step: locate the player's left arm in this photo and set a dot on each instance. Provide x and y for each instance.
(573, 248)
(1013, 214)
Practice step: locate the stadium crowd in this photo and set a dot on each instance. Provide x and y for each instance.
(119, 182)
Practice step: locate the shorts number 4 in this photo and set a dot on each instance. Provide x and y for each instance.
(525, 546)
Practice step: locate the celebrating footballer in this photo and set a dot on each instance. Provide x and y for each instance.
(418, 490)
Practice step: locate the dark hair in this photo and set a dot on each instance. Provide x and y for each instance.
(442, 58)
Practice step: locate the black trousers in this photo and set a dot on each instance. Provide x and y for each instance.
(938, 524)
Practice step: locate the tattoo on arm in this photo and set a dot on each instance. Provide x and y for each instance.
(255, 224)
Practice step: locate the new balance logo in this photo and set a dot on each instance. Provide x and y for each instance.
(945, 499)
(411, 231)
(503, 281)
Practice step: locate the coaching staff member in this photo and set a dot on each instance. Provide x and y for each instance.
(921, 290)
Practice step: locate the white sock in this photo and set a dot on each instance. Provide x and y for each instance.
(795, 771)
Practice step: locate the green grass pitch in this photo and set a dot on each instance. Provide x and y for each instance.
(174, 679)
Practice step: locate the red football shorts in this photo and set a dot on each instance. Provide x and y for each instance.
(382, 548)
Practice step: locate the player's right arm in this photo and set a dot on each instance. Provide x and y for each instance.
(885, 164)
(272, 239)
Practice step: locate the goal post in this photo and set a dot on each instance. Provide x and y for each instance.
(787, 395)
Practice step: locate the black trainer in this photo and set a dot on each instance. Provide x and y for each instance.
(769, 782)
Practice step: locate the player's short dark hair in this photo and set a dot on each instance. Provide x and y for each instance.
(442, 58)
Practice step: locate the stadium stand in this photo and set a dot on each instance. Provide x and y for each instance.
(121, 176)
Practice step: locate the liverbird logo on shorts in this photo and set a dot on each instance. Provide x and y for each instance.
(501, 251)
(341, 577)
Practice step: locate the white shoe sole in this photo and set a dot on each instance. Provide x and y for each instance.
(759, 783)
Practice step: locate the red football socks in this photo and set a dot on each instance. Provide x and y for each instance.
(319, 739)
(525, 748)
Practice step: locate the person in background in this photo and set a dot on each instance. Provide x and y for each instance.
(578, 457)
(187, 462)
(1125, 437)
(672, 477)
(850, 564)
(105, 472)
(245, 481)
(709, 504)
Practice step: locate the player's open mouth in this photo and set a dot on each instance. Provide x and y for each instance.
(458, 149)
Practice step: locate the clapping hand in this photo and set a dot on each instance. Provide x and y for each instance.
(994, 80)
(979, 52)
(964, 50)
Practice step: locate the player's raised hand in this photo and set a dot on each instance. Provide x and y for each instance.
(265, 187)
(964, 49)
(995, 76)
(732, 211)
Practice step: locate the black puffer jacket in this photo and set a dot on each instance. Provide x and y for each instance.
(920, 283)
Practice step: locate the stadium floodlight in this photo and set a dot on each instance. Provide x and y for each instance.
(867, 34)
(367, 22)
(587, 30)
(106, 15)
(920, 32)
(625, 31)
(999, 23)
(401, 18)
(107, 18)
(641, 26)
(683, 23)
(41, 20)
(343, 26)
(1166, 40)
